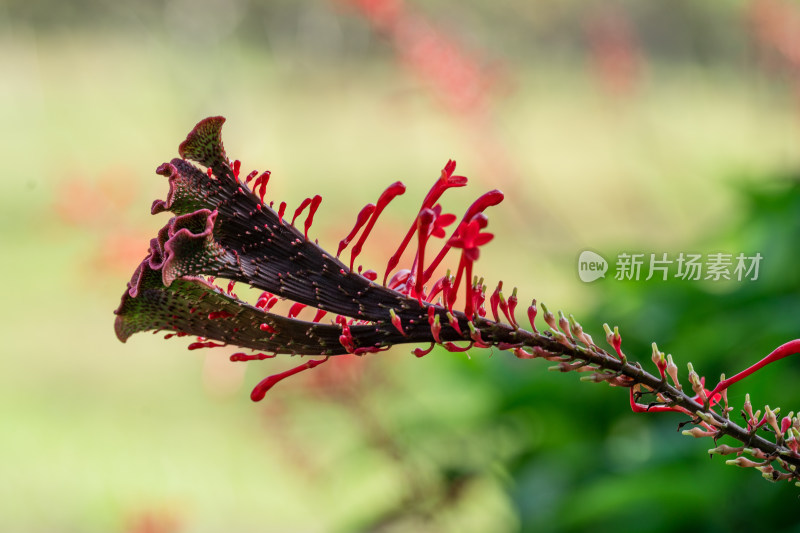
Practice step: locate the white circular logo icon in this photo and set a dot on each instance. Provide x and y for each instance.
(591, 266)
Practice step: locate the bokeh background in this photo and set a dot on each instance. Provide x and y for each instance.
(611, 126)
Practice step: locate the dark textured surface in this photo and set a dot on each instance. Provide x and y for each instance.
(222, 229)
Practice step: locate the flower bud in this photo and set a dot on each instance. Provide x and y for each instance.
(672, 370)
(549, 318)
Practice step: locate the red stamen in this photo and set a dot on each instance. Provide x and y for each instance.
(424, 221)
(267, 302)
(370, 275)
(468, 309)
(231, 285)
(281, 211)
(261, 389)
(395, 189)
(437, 288)
(267, 328)
(241, 356)
(445, 181)
(213, 315)
(361, 219)
(487, 200)
(295, 310)
(299, 210)
(346, 338)
(311, 210)
(198, 345)
(399, 278)
(263, 299)
(237, 165)
(369, 349)
(250, 176)
(419, 352)
(447, 285)
(450, 347)
(469, 239)
(261, 184)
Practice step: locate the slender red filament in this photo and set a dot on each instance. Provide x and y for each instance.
(266, 384)
(361, 219)
(784, 350)
(395, 189)
(311, 211)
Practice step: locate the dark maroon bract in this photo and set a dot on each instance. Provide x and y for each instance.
(223, 229)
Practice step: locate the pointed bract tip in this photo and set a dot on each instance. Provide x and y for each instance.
(204, 142)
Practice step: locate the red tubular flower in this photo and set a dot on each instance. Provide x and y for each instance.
(470, 238)
(446, 181)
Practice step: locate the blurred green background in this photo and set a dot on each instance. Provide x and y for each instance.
(611, 126)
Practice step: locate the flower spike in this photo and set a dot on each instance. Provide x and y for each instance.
(221, 228)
